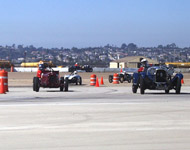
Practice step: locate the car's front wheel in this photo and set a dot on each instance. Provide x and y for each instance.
(36, 84)
(142, 85)
(178, 86)
(134, 89)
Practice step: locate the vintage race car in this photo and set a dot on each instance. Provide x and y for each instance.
(74, 78)
(86, 68)
(123, 76)
(157, 78)
(50, 79)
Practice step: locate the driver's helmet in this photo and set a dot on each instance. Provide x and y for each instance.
(144, 62)
(75, 72)
(41, 66)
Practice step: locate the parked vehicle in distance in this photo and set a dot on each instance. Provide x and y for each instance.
(123, 76)
(49, 78)
(74, 78)
(157, 78)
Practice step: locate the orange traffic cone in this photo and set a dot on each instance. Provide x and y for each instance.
(2, 88)
(97, 82)
(102, 82)
(182, 81)
(121, 70)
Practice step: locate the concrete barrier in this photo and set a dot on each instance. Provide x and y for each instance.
(182, 70)
(116, 70)
(22, 69)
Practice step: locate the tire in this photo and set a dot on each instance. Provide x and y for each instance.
(129, 80)
(66, 84)
(34, 88)
(178, 86)
(121, 79)
(167, 91)
(134, 89)
(61, 83)
(76, 80)
(142, 85)
(110, 78)
(80, 81)
(36, 84)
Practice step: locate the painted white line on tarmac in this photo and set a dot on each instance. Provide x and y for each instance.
(74, 104)
(93, 128)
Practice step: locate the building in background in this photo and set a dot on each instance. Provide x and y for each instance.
(130, 62)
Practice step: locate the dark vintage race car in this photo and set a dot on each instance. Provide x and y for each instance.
(157, 78)
(123, 76)
(50, 79)
(86, 68)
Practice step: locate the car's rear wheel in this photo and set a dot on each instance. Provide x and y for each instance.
(121, 79)
(110, 78)
(167, 91)
(80, 81)
(34, 88)
(61, 83)
(142, 85)
(129, 80)
(36, 84)
(178, 86)
(134, 89)
(76, 79)
(66, 84)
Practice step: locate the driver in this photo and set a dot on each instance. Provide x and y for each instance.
(144, 65)
(41, 68)
(74, 73)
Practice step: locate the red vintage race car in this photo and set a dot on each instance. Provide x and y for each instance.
(49, 78)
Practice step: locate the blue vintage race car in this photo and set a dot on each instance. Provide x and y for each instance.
(157, 78)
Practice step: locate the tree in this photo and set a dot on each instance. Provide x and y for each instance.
(132, 47)
(160, 46)
(123, 46)
(173, 45)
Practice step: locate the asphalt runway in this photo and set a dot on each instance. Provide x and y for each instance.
(94, 118)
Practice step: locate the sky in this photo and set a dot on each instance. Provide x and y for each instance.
(89, 23)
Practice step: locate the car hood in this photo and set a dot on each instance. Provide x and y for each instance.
(71, 76)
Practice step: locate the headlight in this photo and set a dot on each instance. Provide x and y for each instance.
(152, 71)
